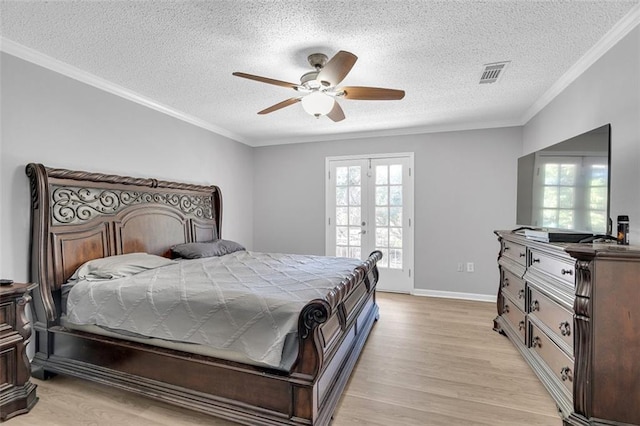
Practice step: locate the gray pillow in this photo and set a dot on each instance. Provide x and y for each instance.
(208, 249)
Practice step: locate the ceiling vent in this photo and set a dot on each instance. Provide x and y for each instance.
(493, 72)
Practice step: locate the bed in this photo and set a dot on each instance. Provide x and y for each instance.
(79, 217)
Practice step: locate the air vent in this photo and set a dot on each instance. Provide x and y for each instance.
(492, 72)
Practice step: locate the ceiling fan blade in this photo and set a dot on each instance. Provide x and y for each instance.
(280, 105)
(265, 80)
(337, 68)
(371, 93)
(336, 113)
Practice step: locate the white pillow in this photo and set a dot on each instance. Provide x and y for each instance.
(120, 266)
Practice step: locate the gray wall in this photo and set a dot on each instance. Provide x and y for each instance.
(60, 122)
(465, 181)
(274, 196)
(608, 92)
(464, 189)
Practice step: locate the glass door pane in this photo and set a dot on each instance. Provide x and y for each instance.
(388, 211)
(348, 210)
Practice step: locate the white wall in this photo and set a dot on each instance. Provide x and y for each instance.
(60, 122)
(464, 189)
(608, 92)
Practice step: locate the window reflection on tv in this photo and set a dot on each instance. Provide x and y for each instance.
(566, 186)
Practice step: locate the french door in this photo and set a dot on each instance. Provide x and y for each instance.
(370, 207)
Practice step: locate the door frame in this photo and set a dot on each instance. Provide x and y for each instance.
(411, 211)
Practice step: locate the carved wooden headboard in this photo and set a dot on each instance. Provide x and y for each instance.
(78, 216)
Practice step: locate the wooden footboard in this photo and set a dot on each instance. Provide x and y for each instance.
(331, 335)
(78, 216)
(239, 392)
(242, 393)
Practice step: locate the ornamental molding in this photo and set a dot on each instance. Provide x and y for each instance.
(74, 205)
(312, 316)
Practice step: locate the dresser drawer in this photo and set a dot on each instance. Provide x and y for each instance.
(516, 252)
(559, 268)
(515, 317)
(7, 317)
(514, 287)
(9, 361)
(553, 315)
(558, 362)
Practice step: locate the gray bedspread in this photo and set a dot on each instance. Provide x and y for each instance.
(245, 301)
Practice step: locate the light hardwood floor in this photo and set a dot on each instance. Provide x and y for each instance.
(428, 361)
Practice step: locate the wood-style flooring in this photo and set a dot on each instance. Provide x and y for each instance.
(428, 361)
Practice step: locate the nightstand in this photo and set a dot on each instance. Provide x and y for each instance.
(17, 393)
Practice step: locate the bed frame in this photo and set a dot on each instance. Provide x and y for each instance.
(79, 216)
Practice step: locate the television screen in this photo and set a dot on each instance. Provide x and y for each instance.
(566, 186)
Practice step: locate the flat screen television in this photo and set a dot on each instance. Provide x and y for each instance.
(564, 188)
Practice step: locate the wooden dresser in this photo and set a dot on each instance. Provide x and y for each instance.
(573, 311)
(17, 393)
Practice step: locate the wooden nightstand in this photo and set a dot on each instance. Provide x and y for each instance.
(17, 393)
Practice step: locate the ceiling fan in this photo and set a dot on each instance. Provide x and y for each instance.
(318, 89)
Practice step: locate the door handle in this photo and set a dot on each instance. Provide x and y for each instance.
(364, 231)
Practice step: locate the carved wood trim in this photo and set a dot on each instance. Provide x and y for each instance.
(23, 327)
(74, 205)
(41, 254)
(123, 180)
(583, 279)
(582, 343)
(370, 268)
(313, 314)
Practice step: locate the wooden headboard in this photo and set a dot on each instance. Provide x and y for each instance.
(78, 216)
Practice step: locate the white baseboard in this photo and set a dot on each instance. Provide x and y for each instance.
(454, 295)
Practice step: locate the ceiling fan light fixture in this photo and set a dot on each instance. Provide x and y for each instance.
(318, 89)
(317, 104)
(309, 77)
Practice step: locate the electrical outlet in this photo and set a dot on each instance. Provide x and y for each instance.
(460, 267)
(470, 267)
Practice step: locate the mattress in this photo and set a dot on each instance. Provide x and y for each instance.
(245, 304)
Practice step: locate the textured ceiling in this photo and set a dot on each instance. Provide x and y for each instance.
(181, 54)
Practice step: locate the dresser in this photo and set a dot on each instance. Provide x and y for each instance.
(573, 312)
(17, 393)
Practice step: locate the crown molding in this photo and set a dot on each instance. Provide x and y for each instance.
(23, 52)
(388, 132)
(617, 33)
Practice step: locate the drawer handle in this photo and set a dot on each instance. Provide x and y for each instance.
(565, 374)
(522, 254)
(505, 283)
(521, 293)
(521, 325)
(566, 272)
(537, 342)
(534, 260)
(535, 306)
(505, 309)
(506, 248)
(565, 328)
